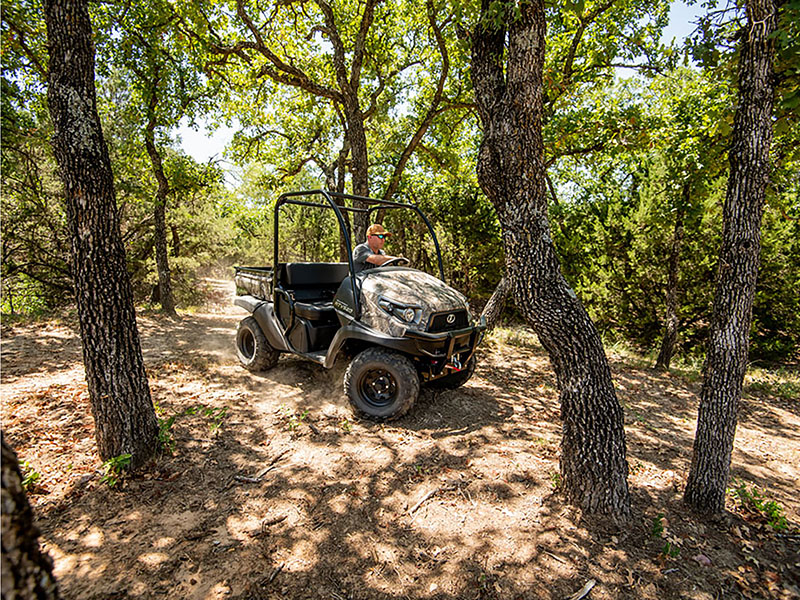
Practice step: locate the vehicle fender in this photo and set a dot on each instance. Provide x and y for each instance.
(249, 303)
(264, 314)
(357, 332)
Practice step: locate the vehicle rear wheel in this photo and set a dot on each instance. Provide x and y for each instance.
(381, 385)
(454, 380)
(252, 347)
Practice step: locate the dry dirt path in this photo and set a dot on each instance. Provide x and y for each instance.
(273, 490)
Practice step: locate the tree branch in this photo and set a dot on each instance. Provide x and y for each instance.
(394, 182)
(488, 78)
(23, 45)
(575, 152)
(569, 62)
(358, 51)
(338, 49)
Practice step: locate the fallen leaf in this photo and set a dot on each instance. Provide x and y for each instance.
(702, 559)
(772, 576)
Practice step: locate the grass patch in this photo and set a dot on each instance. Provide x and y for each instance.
(781, 383)
(518, 337)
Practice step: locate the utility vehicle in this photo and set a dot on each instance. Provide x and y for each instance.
(400, 327)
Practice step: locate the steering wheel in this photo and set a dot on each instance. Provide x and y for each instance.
(399, 261)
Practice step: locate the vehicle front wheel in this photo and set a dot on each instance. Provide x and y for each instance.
(381, 385)
(252, 347)
(454, 380)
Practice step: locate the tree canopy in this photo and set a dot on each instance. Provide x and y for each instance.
(375, 98)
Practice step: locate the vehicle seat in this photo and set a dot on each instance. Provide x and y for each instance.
(320, 310)
(312, 287)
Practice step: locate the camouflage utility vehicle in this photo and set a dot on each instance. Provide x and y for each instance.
(400, 327)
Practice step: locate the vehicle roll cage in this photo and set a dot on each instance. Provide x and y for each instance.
(290, 198)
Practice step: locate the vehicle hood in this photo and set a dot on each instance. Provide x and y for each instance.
(405, 286)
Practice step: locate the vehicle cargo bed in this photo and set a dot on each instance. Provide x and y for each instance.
(255, 281)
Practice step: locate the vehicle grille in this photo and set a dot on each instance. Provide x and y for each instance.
(439, 321)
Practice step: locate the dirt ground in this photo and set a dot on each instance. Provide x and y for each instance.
(274, 490)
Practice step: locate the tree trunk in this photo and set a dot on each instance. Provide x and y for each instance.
(162, 263)
(25, 571)
(512, 174)
(359, 166)
(176, 240)
(726, 359)
(160, 205)
(671, 321)
(125, 422)
(494, 307)
(331, 185)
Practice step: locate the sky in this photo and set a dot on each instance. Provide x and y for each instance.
(203, 145)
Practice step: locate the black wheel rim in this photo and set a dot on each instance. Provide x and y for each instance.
(247, 344)
(378, 388)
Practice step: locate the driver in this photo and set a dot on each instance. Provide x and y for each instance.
(370, 254)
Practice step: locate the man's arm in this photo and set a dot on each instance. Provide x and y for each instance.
(379, 259)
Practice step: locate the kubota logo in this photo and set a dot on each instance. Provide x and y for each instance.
(451, 318)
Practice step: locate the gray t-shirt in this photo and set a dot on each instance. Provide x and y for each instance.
(360, 255)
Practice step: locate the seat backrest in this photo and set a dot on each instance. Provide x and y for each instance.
(314, 275)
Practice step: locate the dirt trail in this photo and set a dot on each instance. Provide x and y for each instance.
(274, 490)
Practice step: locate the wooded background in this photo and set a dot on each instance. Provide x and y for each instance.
(609, 206)
(636, 158)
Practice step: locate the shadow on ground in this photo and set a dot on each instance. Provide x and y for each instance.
(274, 490)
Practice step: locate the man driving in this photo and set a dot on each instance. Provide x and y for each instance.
(370, 254)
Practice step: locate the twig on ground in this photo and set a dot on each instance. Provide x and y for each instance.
(448, 486)
(275, 521)
(467, 497)
(267, 523)
(275, 572)
(424, 498)
(558, 558)
(312, 427)
(244, 479)
(272, 464)
(584, 591)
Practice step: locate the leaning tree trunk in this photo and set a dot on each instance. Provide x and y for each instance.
(726, 359)
(512, 174)
(159, 209)
(671, 322)
(497, 301)
(25, 571)
(125, 421)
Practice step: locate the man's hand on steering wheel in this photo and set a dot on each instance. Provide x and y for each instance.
(397, 261)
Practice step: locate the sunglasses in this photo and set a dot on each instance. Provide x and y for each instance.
(380, 236)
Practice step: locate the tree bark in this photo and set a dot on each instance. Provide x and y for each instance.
(494, 307)
(25, 571)
(512, 174)
(726, 359)
(359, 162)
(160, 205)
(125, 421)
(176, 240)
(667, 350)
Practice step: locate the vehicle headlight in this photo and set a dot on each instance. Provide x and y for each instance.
(408, 313)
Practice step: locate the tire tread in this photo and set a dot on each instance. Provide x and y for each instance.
(405, 370)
